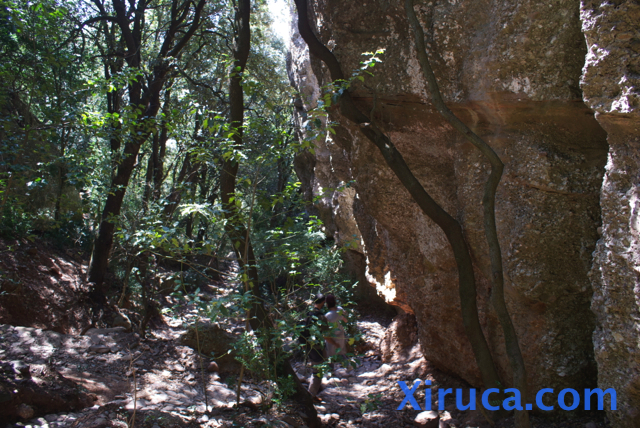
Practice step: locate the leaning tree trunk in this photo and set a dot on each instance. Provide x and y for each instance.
(146, 98)
(451, 228)
(489, 203)
(112, 207)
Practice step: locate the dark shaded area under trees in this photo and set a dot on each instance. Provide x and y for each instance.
(158, 138)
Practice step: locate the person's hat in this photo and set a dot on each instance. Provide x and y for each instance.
(319, 298)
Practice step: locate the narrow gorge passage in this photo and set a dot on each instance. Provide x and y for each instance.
(180, 179)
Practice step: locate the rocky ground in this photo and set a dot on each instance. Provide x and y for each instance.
(111, 377)
(158, 378)
(161, 382)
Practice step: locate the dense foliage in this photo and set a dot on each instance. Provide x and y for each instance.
(115, 117)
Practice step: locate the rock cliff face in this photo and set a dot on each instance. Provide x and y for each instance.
(512, 71)
(611, 85)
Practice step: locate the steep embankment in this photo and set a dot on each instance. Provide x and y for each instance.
(511, 71)
(41, 286)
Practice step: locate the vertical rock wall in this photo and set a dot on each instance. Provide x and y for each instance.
(511, 70)
(611, 85)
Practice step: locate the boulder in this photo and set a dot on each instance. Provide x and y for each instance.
(400, 343)
(31, 391)
(121, 320)
(428, 419)
(214, 342)
(24, 411)
(511, 71)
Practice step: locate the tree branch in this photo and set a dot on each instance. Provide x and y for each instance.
(194, 26)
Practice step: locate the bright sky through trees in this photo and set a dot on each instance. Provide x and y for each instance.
(281, 15)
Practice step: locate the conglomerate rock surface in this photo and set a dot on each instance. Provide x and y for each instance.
(511, 70)
(611, 85)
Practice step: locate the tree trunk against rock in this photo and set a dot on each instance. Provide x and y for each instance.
(451, 228)
(146, 99)
(259, 318)
(489, 203)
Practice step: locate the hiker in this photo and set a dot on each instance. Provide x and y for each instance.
(336, 340)
(315, 349)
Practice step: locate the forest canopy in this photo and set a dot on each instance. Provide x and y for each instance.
(78, 105)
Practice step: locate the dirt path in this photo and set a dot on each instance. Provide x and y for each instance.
(168, 377)
(368, 395)
(168, 380)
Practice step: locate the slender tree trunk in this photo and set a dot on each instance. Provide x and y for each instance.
(161, 150)
(451, 228)
(155, 167)
(158, 171)
(187, 173)
(239, 234)
(62, 180)
(189, 226)
(489, 202)
(145, 277)
(114, 106)
(282, 167)
(61, 183)
(205, 189)
(148, 179)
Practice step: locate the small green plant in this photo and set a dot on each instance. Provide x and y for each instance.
(371, 403)
(285, 389)
(251, 354)
(230, 381)
(153, 417)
